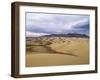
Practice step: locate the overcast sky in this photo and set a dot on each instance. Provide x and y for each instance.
(38, 24)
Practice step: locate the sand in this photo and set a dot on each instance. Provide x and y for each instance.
(64, 51)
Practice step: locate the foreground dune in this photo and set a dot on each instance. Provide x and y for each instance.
(68, 51)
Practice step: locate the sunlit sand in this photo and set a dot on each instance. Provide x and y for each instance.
(57, 51)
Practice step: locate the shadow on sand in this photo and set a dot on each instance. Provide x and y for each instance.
(45, 49)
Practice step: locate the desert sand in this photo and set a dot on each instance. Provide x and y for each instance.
(57, 51)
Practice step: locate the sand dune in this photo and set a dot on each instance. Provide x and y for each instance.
(57, 51)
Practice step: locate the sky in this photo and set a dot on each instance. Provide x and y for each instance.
(38, 24)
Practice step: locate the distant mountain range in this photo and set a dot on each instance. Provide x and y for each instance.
(67, 35)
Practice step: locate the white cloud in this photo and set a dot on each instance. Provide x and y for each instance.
(77, 23)
(32, 34)
(54, 23)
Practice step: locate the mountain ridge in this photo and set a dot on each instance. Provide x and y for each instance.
(67, 35)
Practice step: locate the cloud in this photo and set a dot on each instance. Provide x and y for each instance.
(33, 34)
(55, 23)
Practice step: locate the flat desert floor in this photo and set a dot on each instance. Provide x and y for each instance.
(56, 51)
